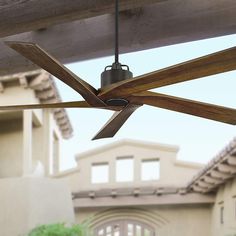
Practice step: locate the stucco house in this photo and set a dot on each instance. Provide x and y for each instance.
(30, 142)
(126, 188)
(142, 189)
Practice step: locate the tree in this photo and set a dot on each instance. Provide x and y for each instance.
(60, 230)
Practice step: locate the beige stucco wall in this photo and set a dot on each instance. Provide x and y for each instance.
(11, 148)
(29, 202)
(11, 133)
(172, 172)
(168, 220)
(226, 197)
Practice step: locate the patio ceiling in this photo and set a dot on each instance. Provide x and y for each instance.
(76, 30)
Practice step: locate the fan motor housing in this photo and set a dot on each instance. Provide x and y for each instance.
(115, 74)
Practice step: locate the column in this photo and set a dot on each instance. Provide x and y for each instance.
(56, 154)
(47, 140)
(27, 142)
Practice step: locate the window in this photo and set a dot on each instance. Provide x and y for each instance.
(100, 173)
(124, 169)
(222, 215)
(150, 169)
(124, 227)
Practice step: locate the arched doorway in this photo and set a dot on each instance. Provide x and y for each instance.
(124, 228)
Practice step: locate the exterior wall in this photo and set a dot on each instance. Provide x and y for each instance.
(11, 130)
(169, 220)
(29, 202)
(11, 148)
(226, 197)
(43, 148)
(11, 138)
(172, 172)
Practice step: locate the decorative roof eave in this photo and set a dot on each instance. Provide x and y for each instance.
(132, 191)
(220, 169)
(46, 91)
(148, 196)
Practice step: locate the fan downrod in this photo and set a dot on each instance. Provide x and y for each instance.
(116, 72)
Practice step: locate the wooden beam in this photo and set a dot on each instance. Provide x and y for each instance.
(39, 81)
(231, 161)
(212, 180)
(204, 184)
(218, 174)
(61, 121)
(92, 194)
(22, 16)
(182, 191)
(59, 114)
(46, 94)
(159, 191)
(113, 193)
(136, 192)
(226, 168)
(161, 24)
(23, 81)
(199, 189)
(233, 153)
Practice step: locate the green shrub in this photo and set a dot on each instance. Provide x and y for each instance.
(60, 230)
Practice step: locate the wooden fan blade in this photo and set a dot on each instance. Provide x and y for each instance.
(79, 104)
(115, 122)
(211, 64)
(205, 110)
(41, 58)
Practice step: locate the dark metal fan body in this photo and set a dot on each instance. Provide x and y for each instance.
(124, 94)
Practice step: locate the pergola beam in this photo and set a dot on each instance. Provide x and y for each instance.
(160, 24)
(42, 14)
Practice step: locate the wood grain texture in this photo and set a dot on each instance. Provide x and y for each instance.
(18, 16)
(200, 109)
(156, 25)
(211, 64)
(41, 58)
(76, 104)
(116, 122)
(79, 104)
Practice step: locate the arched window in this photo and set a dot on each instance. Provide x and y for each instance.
(124, 228)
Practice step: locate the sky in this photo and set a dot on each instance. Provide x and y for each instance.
(199, 139)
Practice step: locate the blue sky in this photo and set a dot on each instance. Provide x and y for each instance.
(199, 139)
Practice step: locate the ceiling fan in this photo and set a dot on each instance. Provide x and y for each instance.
(124, 94)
